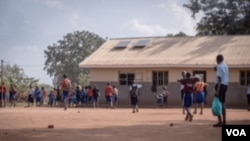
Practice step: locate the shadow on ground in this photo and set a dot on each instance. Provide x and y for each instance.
(180, 131)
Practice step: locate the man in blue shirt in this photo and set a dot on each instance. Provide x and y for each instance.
(222, 81)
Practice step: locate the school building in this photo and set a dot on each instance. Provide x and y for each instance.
(158, 61)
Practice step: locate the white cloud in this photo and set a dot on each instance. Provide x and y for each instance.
(188, 23)
(150, 30)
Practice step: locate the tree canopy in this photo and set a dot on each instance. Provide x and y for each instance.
(221, 17)
(15, 75)
(180, 34)
(64, 56)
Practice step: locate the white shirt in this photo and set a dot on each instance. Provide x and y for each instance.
(223, 73)
(182, 87)
(31, 91)
(138, 86)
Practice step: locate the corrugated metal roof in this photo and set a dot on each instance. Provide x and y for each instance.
(172, 52)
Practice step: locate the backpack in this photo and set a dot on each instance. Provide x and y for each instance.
(134, 91)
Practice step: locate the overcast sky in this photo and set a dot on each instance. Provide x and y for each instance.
(27, 27)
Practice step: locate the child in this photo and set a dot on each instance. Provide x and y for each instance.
(115, 95)
(52, 98)
(78, 95)
(38, 95)
(162, 97)
(199, 96)
(188, 83)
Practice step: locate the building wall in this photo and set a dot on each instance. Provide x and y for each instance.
(236, 94)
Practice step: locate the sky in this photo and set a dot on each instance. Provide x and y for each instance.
(28, 27)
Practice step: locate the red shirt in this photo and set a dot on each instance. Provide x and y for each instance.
(4, 89)
(109, 91)
(188, 84)
(90, 92)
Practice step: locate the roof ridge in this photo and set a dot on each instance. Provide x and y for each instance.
(147, 37)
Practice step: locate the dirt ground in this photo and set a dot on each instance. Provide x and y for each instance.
(88, 124)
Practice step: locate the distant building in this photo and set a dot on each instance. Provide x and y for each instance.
(159, 61)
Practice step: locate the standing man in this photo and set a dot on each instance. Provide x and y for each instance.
(134, 92)
(222, 74)
(66, 87)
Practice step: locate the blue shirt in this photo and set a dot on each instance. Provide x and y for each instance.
(38, 93)
(223, 73)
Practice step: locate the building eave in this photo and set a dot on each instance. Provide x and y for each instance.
(201, 66)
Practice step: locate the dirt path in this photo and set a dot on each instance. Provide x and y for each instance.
(78, 124)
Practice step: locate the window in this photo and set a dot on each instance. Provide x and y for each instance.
(122, 44)
(126, 78)
(201, 74)
(142, 43)
(244, 77)
(160, 78)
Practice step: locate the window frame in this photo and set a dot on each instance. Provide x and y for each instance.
(244, 77)
(160, 78)
(202, 72)
(127, 78)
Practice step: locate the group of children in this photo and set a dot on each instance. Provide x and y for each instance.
(12, 94)
(193, 94)
(77, 96)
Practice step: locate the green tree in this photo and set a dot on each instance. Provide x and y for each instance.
(180, 34)
(64, 56)
(15, 75)
(230, 17)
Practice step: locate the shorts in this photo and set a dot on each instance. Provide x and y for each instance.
(108, 98)
(188, 99)
(222, 92)
(65, 95)
(115, 98)
(12, 97)
(4, 96)
(30, 98)
(134, 100)
(38, 99)
(199, 97)
(95, 98)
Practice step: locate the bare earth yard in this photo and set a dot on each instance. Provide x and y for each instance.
(88, 124)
